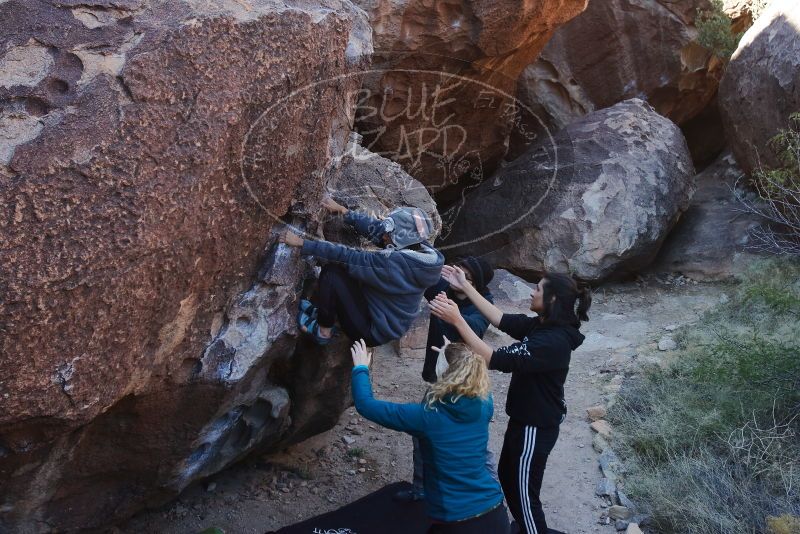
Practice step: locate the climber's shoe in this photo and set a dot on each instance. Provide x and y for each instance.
(310, 326)
(307, 307)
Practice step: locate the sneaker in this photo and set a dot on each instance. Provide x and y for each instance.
(310, 326)
(411, 495)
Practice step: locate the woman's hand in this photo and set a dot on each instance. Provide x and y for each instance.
(331, 205)
(291, 239)
(455, 277)
(445, 309)
(360, 354)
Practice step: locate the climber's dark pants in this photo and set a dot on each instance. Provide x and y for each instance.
(339, 296)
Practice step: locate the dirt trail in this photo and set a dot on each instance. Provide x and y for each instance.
(357, 457)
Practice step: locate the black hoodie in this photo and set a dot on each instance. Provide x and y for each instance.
(538, 365)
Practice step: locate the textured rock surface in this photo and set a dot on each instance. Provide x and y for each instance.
(446, 75)
(741, 13)
(761, 86)
(597, 203)
(620, 49)
(146, 320)
(710, 241)
(366, 181)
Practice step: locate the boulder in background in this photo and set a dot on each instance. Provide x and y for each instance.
(711, 239)
(440, 96)
(621, 49)
(597, 203)
(761, 86)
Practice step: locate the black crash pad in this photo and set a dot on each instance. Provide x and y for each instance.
(376, 513)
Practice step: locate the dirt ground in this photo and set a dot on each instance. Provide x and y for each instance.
(358, 457)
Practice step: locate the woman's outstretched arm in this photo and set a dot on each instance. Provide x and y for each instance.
(403, 417)
(455, 276)
(447, 310)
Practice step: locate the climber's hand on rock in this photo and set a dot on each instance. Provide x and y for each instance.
(445, 309)
(360, 354)
(331, 205)
(291, 239)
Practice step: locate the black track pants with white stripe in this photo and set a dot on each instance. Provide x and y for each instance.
(521, 470)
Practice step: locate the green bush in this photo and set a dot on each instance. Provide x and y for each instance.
(702, 493)
(779, 195)
(787, 146)
(714, 27)
(356, 452)
(713, 441)
(714, 31)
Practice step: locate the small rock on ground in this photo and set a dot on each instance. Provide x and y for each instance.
(603, 429)
(605, 488)
(667, 343)
(619, 512)
(596, 413)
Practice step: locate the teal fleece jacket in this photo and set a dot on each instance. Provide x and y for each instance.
(453, 437)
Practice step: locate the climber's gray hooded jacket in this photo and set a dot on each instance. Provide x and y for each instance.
(393, 280)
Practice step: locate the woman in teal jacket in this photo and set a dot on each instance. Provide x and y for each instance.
(452, 425)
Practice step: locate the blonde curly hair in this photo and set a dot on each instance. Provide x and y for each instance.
(466, 376)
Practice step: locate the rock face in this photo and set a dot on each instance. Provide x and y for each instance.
(596, 202)
(761, 86)
(741, 13)
(147, 331)
(710, 241)
(440, 100)
(364, 180)
(621, 49)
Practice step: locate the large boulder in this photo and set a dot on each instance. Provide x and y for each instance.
(761, 86)
(621, 49)
(440, 98)
(375, 185)
(147, 332)
(596, 202)
(712, 240)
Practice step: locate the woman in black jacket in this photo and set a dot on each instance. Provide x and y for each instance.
(538, 363)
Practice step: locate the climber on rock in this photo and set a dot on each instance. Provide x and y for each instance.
(374, 294)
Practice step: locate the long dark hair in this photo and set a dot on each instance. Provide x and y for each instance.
(567, 291)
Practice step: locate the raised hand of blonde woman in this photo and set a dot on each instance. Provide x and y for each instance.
(360, 354)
